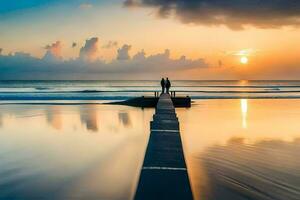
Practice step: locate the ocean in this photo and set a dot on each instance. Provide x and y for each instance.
(241, 139)
(119, 90)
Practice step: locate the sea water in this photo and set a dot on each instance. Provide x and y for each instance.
(117, 90)
(240, 139)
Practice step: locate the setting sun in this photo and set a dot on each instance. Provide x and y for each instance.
(244, 60)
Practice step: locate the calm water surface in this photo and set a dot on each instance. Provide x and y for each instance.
(243, 149)
(235, 148)
(63, 152)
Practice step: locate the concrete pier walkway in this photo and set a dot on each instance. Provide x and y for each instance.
(164, 173)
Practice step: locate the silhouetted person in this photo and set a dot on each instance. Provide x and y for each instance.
(168, 85)
(163, 85)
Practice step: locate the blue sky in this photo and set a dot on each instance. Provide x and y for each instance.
(15, 5)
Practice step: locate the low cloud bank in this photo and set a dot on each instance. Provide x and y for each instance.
(24, 66)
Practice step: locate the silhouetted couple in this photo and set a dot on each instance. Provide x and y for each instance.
(165, 85)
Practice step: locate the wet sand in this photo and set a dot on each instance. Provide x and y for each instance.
(243, 149)
(71, 151)
(234, 149)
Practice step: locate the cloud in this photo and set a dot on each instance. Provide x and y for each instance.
(123, 52)
(53, 51)
(90, 49)
(85, 6)
(24, 66)
(74, 44)
(141, 55)
(235, 14)
(110, 44)
(21, 65)
(243, 52)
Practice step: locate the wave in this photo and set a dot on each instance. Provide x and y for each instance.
(42, 88)
(141, 91)
(251, 92)
(116, 90)
(245, 97)
(88, 97)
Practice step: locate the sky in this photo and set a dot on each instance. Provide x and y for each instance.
(148, 39)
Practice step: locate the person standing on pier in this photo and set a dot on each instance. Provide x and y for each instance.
(168, 85)
(163, 85)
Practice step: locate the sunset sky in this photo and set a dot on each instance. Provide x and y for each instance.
(197, 39)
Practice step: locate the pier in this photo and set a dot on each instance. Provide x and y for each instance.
(152, 101)
(164, 173)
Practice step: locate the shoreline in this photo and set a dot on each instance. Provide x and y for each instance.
(125, 102)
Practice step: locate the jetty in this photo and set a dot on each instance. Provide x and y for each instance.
(164, 174)
(152, 101)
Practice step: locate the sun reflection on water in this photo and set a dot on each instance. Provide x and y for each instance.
(231, 153)
(244, 110)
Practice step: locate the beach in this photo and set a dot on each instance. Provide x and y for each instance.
(235, 147)
(149, 100)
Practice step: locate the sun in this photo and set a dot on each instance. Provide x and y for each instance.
(244, 60)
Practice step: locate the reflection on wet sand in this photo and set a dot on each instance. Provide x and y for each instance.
(234, 149)
(109, 179)
(124, 118)
(88, 116)
(38, 163)
(54, 117)
(242, 149)
(264, 170)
